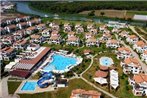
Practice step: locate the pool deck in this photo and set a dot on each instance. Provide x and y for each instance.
(37, 90)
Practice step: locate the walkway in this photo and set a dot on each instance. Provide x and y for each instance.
(142, 30)
(4, 89)
(144, 66)
(133, 29)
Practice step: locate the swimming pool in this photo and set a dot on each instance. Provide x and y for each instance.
(106, 61)
(29, 86)
(60, 62)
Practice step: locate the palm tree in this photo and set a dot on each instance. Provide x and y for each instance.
(102, 13)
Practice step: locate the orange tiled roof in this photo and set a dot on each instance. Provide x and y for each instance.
(124, 49)
(140, 43)
(140, 78)
(131, 60)
(100, 73)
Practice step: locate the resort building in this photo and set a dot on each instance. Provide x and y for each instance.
(103, 27)
(88, 35)
(67, 27)
(41, 26)
(92, 41)
(81, 93)
(131, 65)
(132, 39)
(10, 28)
(139, 84)
(22, 25)
(106, 36)
(123, 53)
(144, 56)
(124, 34)
(7, 40)
(18, 35)
(31, 30)
(54, 26)
(140, 46)
(79, 28)
(73, 40)
(71, 34)
(112, 43)
(20, 44)
(8, 53)
(46, 33)
(55, 39)
(90, 26)
(30, 61)
(93, 31)
(36, 38)
(34, 22)
(114, 80)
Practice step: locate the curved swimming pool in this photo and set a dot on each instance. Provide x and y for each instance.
(60, 63)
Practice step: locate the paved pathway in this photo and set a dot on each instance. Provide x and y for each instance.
(144, 66)
(133, 29)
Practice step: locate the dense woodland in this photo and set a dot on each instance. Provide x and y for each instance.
(76, 7)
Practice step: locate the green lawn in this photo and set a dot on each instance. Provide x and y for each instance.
(61, 92)
(12, 86)
(122, 92)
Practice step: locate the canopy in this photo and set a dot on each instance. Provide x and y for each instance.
(10, 65)
(114, 79)
(101, 80)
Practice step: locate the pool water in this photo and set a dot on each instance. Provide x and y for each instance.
(106, 61)
(29, 86)
(60, 62)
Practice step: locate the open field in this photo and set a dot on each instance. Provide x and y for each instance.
(61, 92)
(12, 86)
(116, 13)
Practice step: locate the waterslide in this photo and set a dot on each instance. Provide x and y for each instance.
(45, 80)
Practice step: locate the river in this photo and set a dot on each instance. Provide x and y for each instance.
(23, 7)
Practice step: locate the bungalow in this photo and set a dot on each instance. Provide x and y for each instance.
(70, 34)
(90, 26)
(10, 28)
(139, 84)
(54, 39)
(41, 27)
(8, 53)
(73, 40)
(54, 26)
(140, 46)
(19, 34)
(92, 41)
(103, 27)
(106, 36)
(34, 22)
(31, 30)
(124, 34)
(131, 65)
(67, 27)
(21, 25)
(36, 38)
(20, 44)
(144, 56)
(79, 28)
(46, 33)
(93, 31)
(112, 43)
(123, 53)
(88, 35)
(132, 39)
(81, 93)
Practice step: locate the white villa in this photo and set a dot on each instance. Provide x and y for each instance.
(79, 28)
(132, 39)
(131, 65)
(55, 39)
(139, 84)
(112, 43)
(37, 38)
(73, 40)
(144, 56)
(140, 46)
(20, 44)
(88, 35)
(123, 53)
(46, 33)
(92, 41)
(67, 27)
(124, 34)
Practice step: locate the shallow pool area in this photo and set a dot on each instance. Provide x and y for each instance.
(29, 86)
(106, 61)
(60, 62)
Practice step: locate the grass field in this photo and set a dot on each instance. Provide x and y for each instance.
(61, 92)
(12, 86)
(116, 13)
